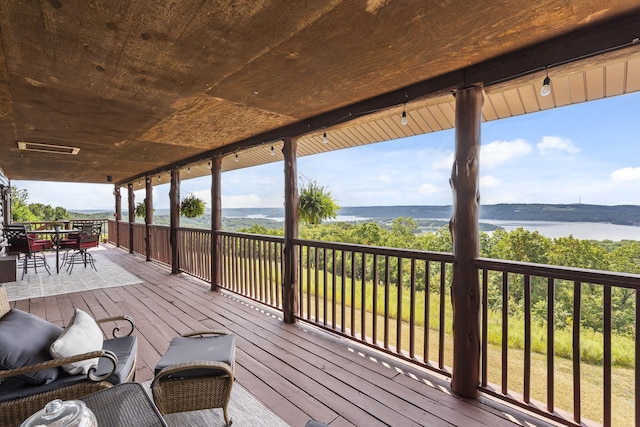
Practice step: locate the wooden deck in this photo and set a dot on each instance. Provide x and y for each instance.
(297, 371)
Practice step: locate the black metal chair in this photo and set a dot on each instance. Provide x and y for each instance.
(88, 237)
(22, 243)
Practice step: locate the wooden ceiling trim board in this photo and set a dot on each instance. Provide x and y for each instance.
(305, 146)
(614, 79)
(392, 131)
(438, 117)
(361, 133)
(561, 91)
(350, 137)
(500, 105)
(338, 139)
(578, 87)
(633, 75)
(369, 133)
(385, 134)
(448, 110)
(595, 84)
(419, 116)
(529, 99)
(514, 102)
(430, 119)
(488, 110)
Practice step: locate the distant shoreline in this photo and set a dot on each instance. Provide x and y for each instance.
(628, 215)
(620, 215)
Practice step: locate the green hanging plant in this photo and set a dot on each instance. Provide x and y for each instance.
(141, 210)
(192, 207)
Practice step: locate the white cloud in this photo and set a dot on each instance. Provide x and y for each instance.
(489, 181)
(627, 174)
(429, 189)
(442, 161)
(554, 144)
(498, 152)
(384, 178)
(241, 201)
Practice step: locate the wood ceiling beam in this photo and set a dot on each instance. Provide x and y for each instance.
(590, 41)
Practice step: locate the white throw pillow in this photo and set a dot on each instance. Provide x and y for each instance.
(83, 335)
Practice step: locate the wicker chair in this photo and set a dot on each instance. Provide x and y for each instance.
(196, 372)
(19, 400)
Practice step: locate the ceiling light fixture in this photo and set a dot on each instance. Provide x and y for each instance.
(404, 114)
(47, 148)
(235, 159)
(546, 85)
(273, 151)
(325, 140)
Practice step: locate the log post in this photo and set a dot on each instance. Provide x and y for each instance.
(132, 215)
(216, 222)
(118, 214)
(174, 220)
(148, 217)
(464, 228)
(290, 255)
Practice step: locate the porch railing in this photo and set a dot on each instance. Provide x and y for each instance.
(398, 301)
(392, 299)
(252, 266)
(535, 296)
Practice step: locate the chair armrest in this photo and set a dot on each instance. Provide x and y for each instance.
(116, 329)
(56, 363)
(208, 332)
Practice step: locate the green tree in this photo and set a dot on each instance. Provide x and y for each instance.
(47, 213)
(315, 204)
(19, 209)
(22, 211)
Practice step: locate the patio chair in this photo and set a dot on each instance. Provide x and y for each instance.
(88, 237)
(196, 372)
(22, 243)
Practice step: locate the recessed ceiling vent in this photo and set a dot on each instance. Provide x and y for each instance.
(47, 148)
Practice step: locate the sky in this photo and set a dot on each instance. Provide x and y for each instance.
(586, 153)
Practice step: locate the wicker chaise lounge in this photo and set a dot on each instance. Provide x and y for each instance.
(30, 377)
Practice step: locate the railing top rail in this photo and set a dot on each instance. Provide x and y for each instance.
(608, 278)
(265, 237)
(379, 250)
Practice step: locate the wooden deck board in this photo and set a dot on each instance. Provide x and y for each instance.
(298, 371)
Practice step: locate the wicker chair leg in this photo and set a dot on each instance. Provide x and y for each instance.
(227, 418)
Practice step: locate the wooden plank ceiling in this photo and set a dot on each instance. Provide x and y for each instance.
(140, 87)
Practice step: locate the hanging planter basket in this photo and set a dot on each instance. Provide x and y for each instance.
(192, 207)
(141, 210)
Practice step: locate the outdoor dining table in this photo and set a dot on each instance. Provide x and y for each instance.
(57, 232)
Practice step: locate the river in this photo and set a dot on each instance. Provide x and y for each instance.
(551, 229)
(579, 230)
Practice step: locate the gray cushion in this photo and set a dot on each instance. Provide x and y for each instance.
(125, 348)
(25, 340)
(219, 348)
